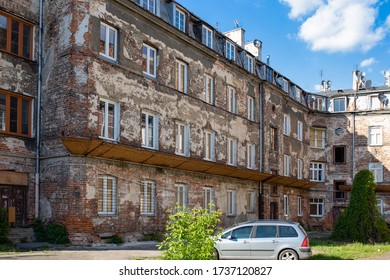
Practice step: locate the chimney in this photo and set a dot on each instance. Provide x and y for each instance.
(237, 36)
(255, 48)
(387, 78)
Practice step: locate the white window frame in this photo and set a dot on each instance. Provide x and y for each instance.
(380, 205)
(148, 204)
(232, 100)
(317, 172)
(249, 63)
(286, 165)
(286, 206)
(104, 130)
(250, 156)
(181, 196)
(320, 207)
(374, 103)
(182, 139)
(299, 131)
(209, 144)
(181, 78)
(209, 197)
(207, 36)
(231, 203)
(151, 55)
(286, 125)
(232, 151)
(339, 101)
(154, 130)
(230, 51)
(300, 169)
(113, 205)
(180, 20)
(106, 52)
(318, 103)
(318, 137)
(300, 212)
(250, 104)
(150, 5)
(375, 135)
(209, 89)
(251, 201)
(377, 170)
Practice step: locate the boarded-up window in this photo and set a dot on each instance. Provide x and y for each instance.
(107, 195)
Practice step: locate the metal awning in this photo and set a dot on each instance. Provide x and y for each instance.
(379, 187)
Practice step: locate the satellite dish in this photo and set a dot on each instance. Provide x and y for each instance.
(257, 43)
(368, 84)
(383, 98)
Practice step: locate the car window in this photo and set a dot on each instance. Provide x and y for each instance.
(242, 232)
(226, 234)
(265, 231)
(287, 231)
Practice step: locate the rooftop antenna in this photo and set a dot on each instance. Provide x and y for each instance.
(217, 25)
(236, 24)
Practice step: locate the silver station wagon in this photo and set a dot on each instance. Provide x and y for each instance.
(274, 240)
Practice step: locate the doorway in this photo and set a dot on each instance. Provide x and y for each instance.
(13, 199)
(274, 211)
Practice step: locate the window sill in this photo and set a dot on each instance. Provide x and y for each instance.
(108, 59)
(109, 139)
(149, 76)
(150, 148)
(101, 214)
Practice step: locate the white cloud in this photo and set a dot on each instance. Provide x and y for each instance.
(301, 7)
(368, 62)
(340, 25)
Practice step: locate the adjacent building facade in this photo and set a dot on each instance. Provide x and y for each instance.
(134, 107)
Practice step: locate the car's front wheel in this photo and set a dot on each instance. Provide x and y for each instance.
(216, 255)
(288, 254)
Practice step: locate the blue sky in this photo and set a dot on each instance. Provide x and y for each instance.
(307, 37)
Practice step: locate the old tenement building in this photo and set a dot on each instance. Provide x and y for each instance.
(125, 109)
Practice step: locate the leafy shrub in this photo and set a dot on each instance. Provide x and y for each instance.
(39, 230)
(56, 234)
(116, 239)
(4, 226)
(361, 221)
(190, 235)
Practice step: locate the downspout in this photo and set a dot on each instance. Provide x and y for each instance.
(261, 94)
(353, 135)
(38, 116)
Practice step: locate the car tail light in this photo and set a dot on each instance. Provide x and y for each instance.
(305, 242)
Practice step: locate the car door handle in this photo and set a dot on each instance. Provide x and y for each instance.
(246, 242)
(275, 241)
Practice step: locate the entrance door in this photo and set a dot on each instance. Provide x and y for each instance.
(273, 211)
(14, 196)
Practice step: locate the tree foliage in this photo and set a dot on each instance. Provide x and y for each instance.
(4, 226)
(190, 235)
(361, 221)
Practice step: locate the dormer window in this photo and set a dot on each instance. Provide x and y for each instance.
(339, 105)
(180, 19)
(230, 51)
(150, 5)
(207, 36)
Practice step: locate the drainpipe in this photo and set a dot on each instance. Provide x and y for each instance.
(353, 135)
(38, 119)
(261, 206)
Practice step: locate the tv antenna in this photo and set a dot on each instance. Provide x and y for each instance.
(236, 24)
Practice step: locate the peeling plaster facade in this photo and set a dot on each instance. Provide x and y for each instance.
(78, 160)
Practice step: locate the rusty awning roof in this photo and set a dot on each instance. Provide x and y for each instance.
(290, 182)
(381, 187)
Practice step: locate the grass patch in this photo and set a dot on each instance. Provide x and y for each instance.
(325, 249)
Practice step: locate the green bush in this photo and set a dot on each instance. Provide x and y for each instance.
(116, 239)
(39, 230)
(57, 234)
(4, 226)
(190, 235)
(361, 221)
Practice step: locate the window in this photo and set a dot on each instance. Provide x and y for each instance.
(232, 100)
(182, 139)
(109, 120)
(249, 63)
(266, 232)
(250, 103)
(108, 41)
(181, 76)
(299, 131)
(377, 170)
(317, 172)
(338, 194)
(339, 154)
(286, 165)
(180, 20)
(149, 130)
(316, 207)
(208, 198)
(317, 138)
(250, 156)
(149, 60)
(148, 198)
(300, 213)
(300, 169)
(16, 36)
(239, 233)
(339, 105)
(230, 51)
(107, 195)
(286, 125)
(287, 232)
(375, 103)
(375, 135)
(251, 201)
(150, 5)
(231, 203)
(232, 151)
(274, 139)
(209, 145)
(317, 103)
(380, 205)
(182, 196)
(286, 210)
(207, 36)
(15, 114)
(209, 89)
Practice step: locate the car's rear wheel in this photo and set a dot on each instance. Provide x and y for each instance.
(288, 254)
